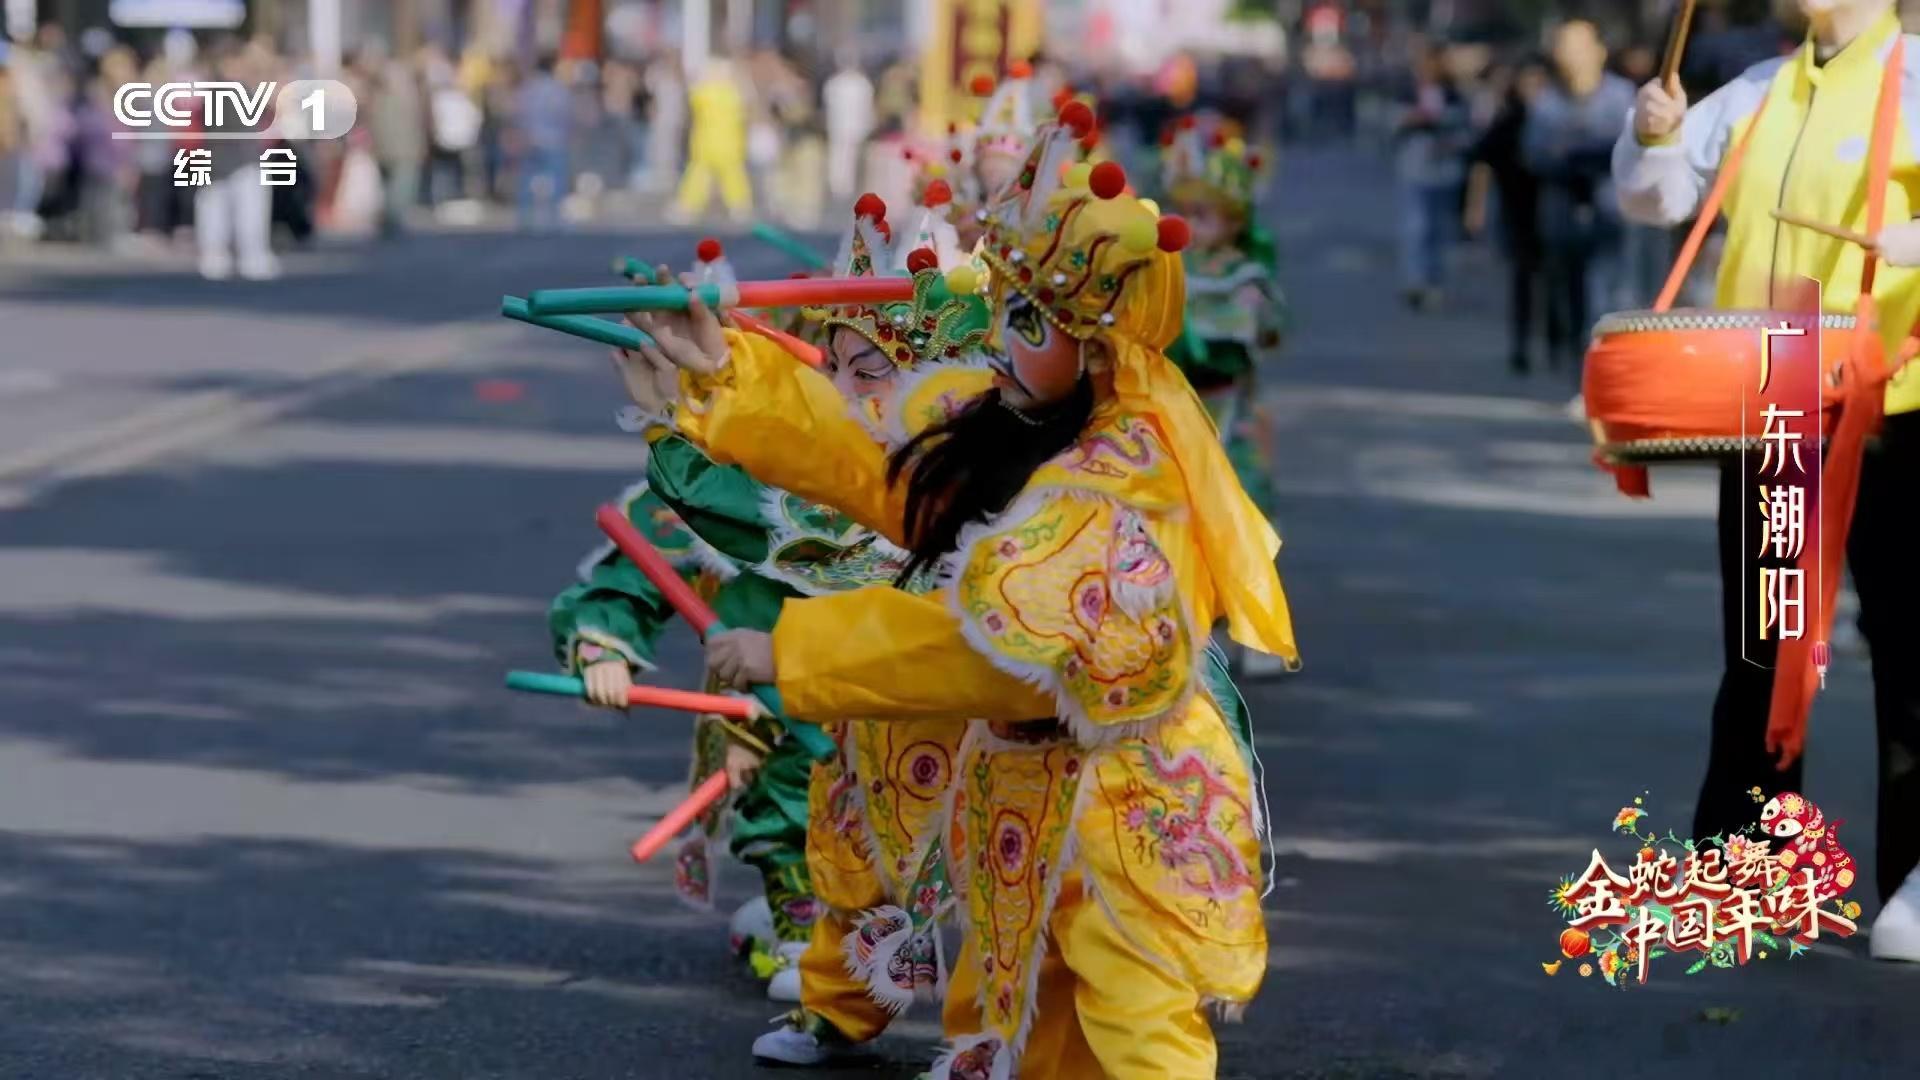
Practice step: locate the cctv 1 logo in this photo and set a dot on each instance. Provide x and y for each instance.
(303, 109)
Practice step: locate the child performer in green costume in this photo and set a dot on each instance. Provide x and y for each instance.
(1236, 312)
(604, 629)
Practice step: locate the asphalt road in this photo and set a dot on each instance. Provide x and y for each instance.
(265, 811)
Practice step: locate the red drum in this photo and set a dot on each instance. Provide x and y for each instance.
(1674, 385)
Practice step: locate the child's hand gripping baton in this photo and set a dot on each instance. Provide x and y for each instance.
(655, 697)
(698, 615)
(711, 790)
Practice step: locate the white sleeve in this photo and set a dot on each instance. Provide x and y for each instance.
(1664, 185)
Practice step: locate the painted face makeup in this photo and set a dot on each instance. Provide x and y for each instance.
(1042, 364)
(857, 367)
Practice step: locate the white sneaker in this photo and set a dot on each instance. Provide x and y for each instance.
(1896, 931)
(788, 1045)
(784, 987)
(1577, 409)
(751, 922)
(215, 268)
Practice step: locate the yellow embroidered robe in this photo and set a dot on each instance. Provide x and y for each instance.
(1083, 602)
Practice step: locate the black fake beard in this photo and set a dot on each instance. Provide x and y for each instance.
(970, 467)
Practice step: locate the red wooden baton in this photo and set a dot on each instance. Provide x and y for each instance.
(805, 353)
(651, 563)
(711, 790)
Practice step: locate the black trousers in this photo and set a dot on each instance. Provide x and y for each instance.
(1880, 552)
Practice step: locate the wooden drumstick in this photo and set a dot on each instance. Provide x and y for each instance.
(1677, 43)
(1801, 222)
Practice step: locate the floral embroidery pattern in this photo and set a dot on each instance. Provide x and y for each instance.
(1015, 808)
(1181, 815)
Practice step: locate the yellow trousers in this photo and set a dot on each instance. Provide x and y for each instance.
(1105, 1009)
(829, 992)
(705, 168)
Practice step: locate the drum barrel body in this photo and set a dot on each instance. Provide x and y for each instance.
(1680, 385)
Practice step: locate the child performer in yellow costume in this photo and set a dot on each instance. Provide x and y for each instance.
(1105, 831)
(874, 842)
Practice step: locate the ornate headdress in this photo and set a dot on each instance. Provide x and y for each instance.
(1210, 162)
(931, 226)
(1006, 121)
(1069, 237)
(711, 265)
(943, 320)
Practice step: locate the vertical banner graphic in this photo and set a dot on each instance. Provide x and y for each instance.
(1780, 460)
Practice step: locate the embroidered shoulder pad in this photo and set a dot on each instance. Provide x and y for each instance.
(1074, 595)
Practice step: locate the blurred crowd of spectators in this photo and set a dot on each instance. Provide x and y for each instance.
(471, 137)
(1517, 145)
(458, 137)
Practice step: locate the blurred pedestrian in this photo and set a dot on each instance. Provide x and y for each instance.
(164, 209)
(848, 100)
(13, 132)
(399, 127)
(233, 215)
(717, 147)
(623, 101)
(1570, 131)
(543, 134)
(1502, 177)
(454, 127)
(39, 80)
(105, 168)
(666, 122)
(1646, 252)
(1432, 133)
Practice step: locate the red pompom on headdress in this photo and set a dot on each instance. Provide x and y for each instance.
(870, 206)
(1108, 180)
(1020, 69)
(938, 193)
(922, 259)
(1077, 117)
(708, 250)
(981, 85)
(1174, 234)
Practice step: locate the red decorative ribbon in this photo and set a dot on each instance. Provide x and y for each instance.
(1862, 405)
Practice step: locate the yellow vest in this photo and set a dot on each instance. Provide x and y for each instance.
(1810, 156)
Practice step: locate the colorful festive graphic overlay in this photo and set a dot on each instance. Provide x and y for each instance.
(1767, 891)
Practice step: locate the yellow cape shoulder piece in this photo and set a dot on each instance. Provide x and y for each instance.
(1073, 594)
